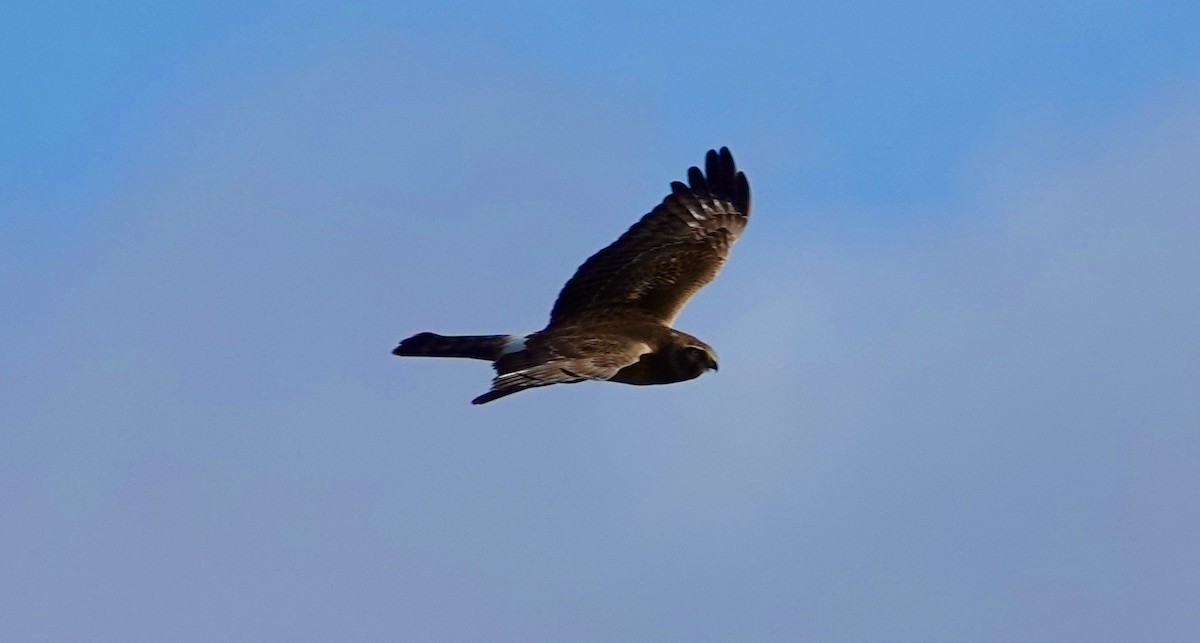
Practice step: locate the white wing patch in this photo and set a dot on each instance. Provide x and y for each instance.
(514, 343)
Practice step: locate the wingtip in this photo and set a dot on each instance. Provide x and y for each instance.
(727, 161)
(719, 163)
(697, 180)
(485, 398)
(724, 178)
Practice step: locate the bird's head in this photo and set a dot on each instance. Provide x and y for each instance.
(694, 358)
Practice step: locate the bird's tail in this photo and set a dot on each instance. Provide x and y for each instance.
(487, 347)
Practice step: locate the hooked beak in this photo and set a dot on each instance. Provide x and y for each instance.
(712, 363)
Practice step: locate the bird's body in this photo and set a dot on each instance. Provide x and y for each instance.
(612, 319)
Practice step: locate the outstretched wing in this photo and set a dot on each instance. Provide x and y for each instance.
(668, 255)
(559, 359)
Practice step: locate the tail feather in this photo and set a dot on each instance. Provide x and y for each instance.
(487, 347)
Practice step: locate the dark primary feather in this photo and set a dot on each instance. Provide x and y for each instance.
(652, 269)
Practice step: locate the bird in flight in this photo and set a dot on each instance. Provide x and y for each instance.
(612, 320)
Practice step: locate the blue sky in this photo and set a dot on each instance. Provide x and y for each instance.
(958, 341)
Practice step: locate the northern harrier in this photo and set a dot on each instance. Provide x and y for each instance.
(612, 321)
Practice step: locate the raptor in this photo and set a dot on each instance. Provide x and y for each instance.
(612, 320)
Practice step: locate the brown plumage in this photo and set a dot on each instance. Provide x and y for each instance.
(612, 319)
